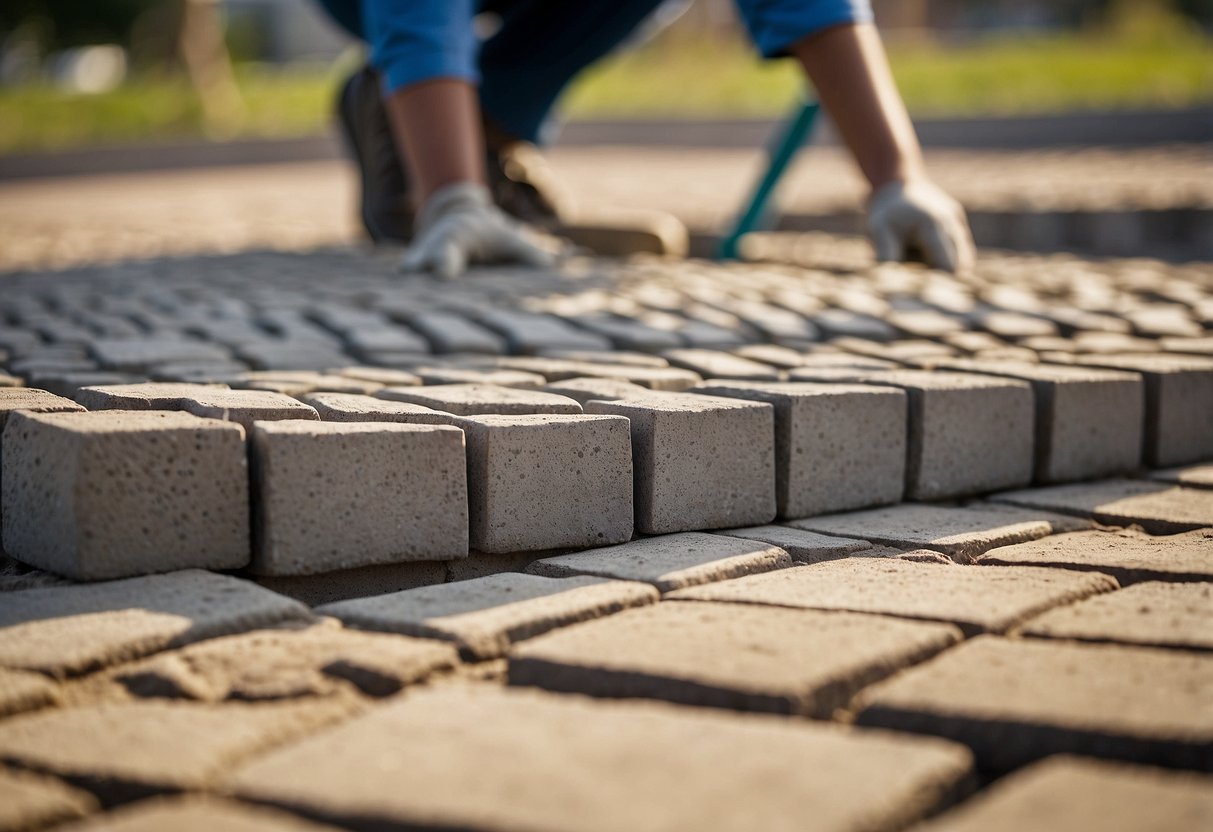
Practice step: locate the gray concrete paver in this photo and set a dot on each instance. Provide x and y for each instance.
(642, 766)
(347, 407)
(1151, 614)
(1014, 701)
(737, 656)
(481, 399)
(801, 545)
(1128, 556)
(669, 562)
(974, 598)
(484, 616)
(1158, 508)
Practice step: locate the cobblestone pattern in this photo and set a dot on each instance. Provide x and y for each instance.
(412, 666)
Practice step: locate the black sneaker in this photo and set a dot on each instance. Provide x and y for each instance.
(386, 209)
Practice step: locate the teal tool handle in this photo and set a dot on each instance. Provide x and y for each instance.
(780, 155)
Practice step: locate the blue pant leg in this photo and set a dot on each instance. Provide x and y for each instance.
(774, 25)
(540, 48)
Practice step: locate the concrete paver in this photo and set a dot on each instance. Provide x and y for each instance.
(484, 616)
(669, 562)
(339, 495)
(553, 481)
(837, 447)
(347, 407)
(642, 766)
(803, 546)
(1126, 556)
(30, 801)
(114, 494)
(1089, 422)
(962, 533)
(1156, 507)
(490, 375)
(22, 690)
(1193, 476)
(974, 598)
(1014, 701)
(118, 751)
(701, 462)
(1152, 614)
(144, 396)
(245, 406)
(290, 663)
(359, 582)
(1083, 795)
(481, 399)
(69, 630)
(586, 389)
(736, 656)
(197, 813)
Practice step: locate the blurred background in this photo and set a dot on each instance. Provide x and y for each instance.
(1053, 109)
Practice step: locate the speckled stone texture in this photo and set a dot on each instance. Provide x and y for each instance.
(803, 546)
(1013, 701)
(348, 407)
(115, 494)
(1127, 556)
(975, 598)
(670, 562)
(159, 396)
(674, 652)
(484, 616)
(69, 630)
(245, 406)
(614, 766)
(548, 482)
(339, 495)
(702, 462)
(481, 399)
(837, 446)
(1151, 614)
(1157, 507)
(1083, 795)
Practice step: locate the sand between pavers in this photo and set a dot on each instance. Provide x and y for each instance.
(546, 762)
(975, 598)
(32, 801)
(1151, 614)
(1081, 795)
(669, 562)
(738, 656)
(118, 751)
(67, 630)
(1125, 555)
(1014, 701)
(484, 616)
(197, 813)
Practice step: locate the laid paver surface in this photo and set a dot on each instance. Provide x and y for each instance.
(1078, 795)
(1152, 613)
(1126, 556)
(198, 814)
(31, 801)
(975, 598)
(1013, 701)
(1156, 507)
(801, 545)
(613, 766)
(671, 652)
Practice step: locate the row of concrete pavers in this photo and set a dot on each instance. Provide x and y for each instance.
(173, 476)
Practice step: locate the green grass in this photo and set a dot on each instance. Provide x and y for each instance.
(669, 78)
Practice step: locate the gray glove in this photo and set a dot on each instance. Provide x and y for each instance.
(459, 225)
(920, 215)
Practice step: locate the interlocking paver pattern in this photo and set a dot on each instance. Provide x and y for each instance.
(803, 546)
(1156, 507)
(1127, 556)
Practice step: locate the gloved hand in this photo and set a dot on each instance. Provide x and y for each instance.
(918, 215)
(460, 225)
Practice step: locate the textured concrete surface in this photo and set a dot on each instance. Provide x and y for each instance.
(1014, 701)
(803, 546)
(31, 801)
(670, 562)
(701, 462)
(1156, 507)
(1195, 476)
(837, 447)
(1126, 556)
(198, 814)
(974, 598)
(1152, 614)
(962, 533)
(671, 652)
(530, 485)
(484, 616)
(480, 399)
(340, 495)
(118, 494)
(615, 766)
(1083, 795)
(23, 691)
(347, 407)
(70, 630)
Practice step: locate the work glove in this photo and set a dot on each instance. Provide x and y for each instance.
(917, 217)
(459, 225)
